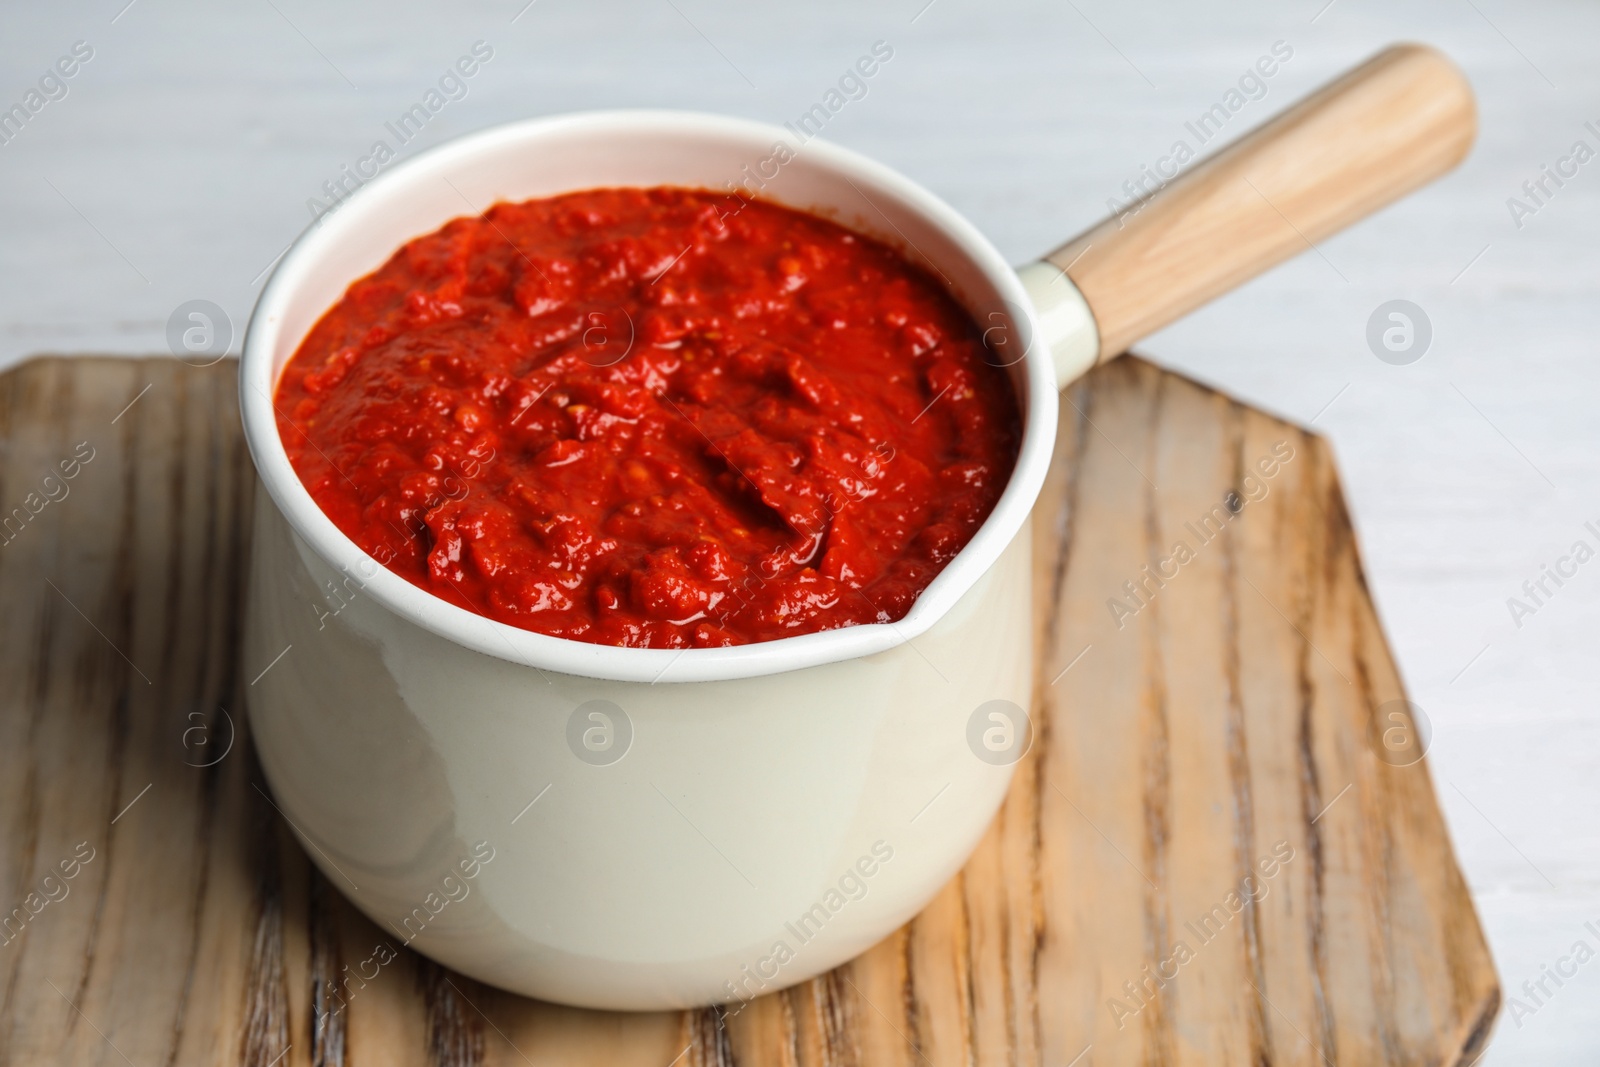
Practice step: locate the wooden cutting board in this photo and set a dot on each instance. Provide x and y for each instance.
(1223, 847)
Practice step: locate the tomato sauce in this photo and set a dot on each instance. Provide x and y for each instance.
(663, 417)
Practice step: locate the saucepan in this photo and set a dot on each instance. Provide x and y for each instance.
(634, 828)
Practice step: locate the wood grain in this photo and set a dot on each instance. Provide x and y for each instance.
(1232, 711)
(1396, 122)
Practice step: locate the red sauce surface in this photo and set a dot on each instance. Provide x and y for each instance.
(652, 417)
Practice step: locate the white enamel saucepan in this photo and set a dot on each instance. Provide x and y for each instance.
(645, 828)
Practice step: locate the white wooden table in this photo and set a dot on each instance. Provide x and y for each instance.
(179, 162)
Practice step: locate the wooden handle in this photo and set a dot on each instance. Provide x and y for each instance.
(1399, 120)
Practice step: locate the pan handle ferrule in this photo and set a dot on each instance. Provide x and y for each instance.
(1067, 324)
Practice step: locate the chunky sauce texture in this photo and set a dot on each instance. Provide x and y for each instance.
(661, 417)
